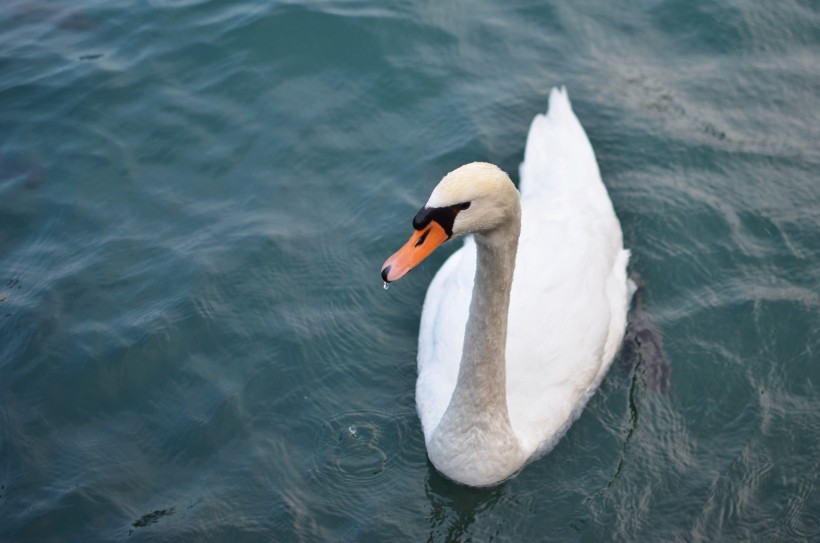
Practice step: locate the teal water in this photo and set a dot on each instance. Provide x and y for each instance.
(196, 199)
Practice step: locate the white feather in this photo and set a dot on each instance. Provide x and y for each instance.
(569, 297)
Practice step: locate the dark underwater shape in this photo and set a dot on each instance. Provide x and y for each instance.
(643, 345)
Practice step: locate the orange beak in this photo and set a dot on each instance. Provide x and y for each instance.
(418, 247)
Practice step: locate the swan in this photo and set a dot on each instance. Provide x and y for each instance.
(520, 325)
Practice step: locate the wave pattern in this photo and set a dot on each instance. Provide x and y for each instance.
(196, 197)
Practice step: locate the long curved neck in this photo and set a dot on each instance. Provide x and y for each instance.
(482, 382)
(474, 442)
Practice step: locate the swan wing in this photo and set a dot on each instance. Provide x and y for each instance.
(441, 334)
(569, 295)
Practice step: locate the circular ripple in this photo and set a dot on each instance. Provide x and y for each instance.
(358, 445)
(356, 451)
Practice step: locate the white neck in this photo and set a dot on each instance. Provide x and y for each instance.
(474, 442)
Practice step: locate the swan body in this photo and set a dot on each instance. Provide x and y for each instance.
(520, 325)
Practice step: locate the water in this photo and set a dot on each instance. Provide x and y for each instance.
(196, 199)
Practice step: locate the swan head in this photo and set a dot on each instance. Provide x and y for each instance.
(473, 199)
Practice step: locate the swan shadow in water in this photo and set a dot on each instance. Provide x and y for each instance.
(643, 356)
(642, 347)
(454, 507)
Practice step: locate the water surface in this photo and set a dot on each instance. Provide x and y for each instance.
(196, 199)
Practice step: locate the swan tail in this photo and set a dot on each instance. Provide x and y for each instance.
(558, 151)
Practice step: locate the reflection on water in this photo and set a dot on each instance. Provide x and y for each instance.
(454, 508)
(643, 344)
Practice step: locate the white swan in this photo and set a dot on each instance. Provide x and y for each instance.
(516, 332)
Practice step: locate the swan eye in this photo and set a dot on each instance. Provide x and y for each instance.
(444, 216)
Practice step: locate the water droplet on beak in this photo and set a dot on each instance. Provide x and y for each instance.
(386, 285)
